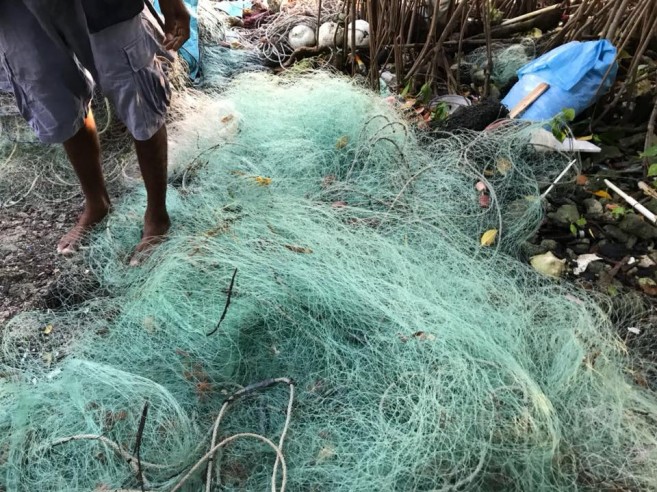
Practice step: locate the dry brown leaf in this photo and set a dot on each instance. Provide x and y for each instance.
(504, 166)
(263, 181)
(602, 194)
(581, 180)
(342, 142)
(298, 249)
(48, 329)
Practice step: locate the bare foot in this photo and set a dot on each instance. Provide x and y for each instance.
(155, 230)
(91, 215)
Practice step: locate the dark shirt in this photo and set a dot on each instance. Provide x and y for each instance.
(101, 14)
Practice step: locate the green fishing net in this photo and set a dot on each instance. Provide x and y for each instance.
(417, 358)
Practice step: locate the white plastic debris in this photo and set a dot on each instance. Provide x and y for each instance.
(453, 102)
(646, 262)
(301, 36)
(634, 330)
(548, 264)
(583, 261)
(328, 34)
(362, 34)
(543, 140)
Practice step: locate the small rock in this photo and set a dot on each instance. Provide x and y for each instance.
(529, 249)
(635, 225)
(651, 205)
(565, 215)
(613, 232)
(612, 250)
(549, 244)
(582, 246)
(596, 267)
(594, 208)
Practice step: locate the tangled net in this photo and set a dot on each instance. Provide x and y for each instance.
(507, 60)
(320, 252)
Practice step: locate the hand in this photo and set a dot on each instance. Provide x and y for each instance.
(176, 24)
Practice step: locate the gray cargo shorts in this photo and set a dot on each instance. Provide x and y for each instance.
(51, 64)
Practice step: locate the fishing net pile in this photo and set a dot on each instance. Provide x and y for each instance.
(368, 339)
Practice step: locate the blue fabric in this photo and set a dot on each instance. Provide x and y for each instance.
(578, 73)
(190, 51)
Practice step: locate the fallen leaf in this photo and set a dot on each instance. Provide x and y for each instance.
(484, 201)
(326, 453)
(227, 118)
(504, 166)
(342, 142)
(488, 237)
(648, 285)
(263, 181)
(47, 358)
(48, 329)
(602, 194)
(339, 204)
(298, 249)
(582, 180)
(421, 335)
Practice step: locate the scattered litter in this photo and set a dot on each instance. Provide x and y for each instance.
(453, 102)
(301, 36)
(583, 262)
(544, 140)
(577, 73)
(362, 33)
(634, 330)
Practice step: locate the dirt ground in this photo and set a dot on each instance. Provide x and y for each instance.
(29, 263)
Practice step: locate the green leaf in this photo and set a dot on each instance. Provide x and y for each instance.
(441, 112)
(407, 89)
(650, 152)
(612, 290)
(568, 114)
(581, 222)
(573, 229)
(652, 170)
(619, 211)
(425, 93)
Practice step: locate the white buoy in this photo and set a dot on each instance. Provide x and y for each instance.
(362, 34)
(327, 34)
(301, 36)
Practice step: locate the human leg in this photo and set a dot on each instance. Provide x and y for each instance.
(152, 157)
(83, 150)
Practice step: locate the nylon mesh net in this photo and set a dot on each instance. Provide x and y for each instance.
(420, 360)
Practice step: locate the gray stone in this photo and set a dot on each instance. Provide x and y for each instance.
(565, 215)
(613, 232)
(549, 245)
(596, 267)
(635, 225)
(594, 208)
(582, 246)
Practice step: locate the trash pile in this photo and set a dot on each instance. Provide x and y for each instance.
(343, 302)
(334, 310)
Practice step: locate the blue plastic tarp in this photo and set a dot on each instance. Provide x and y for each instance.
(190, 51)
(578, 74)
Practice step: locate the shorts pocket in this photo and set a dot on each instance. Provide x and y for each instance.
(140, 53)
